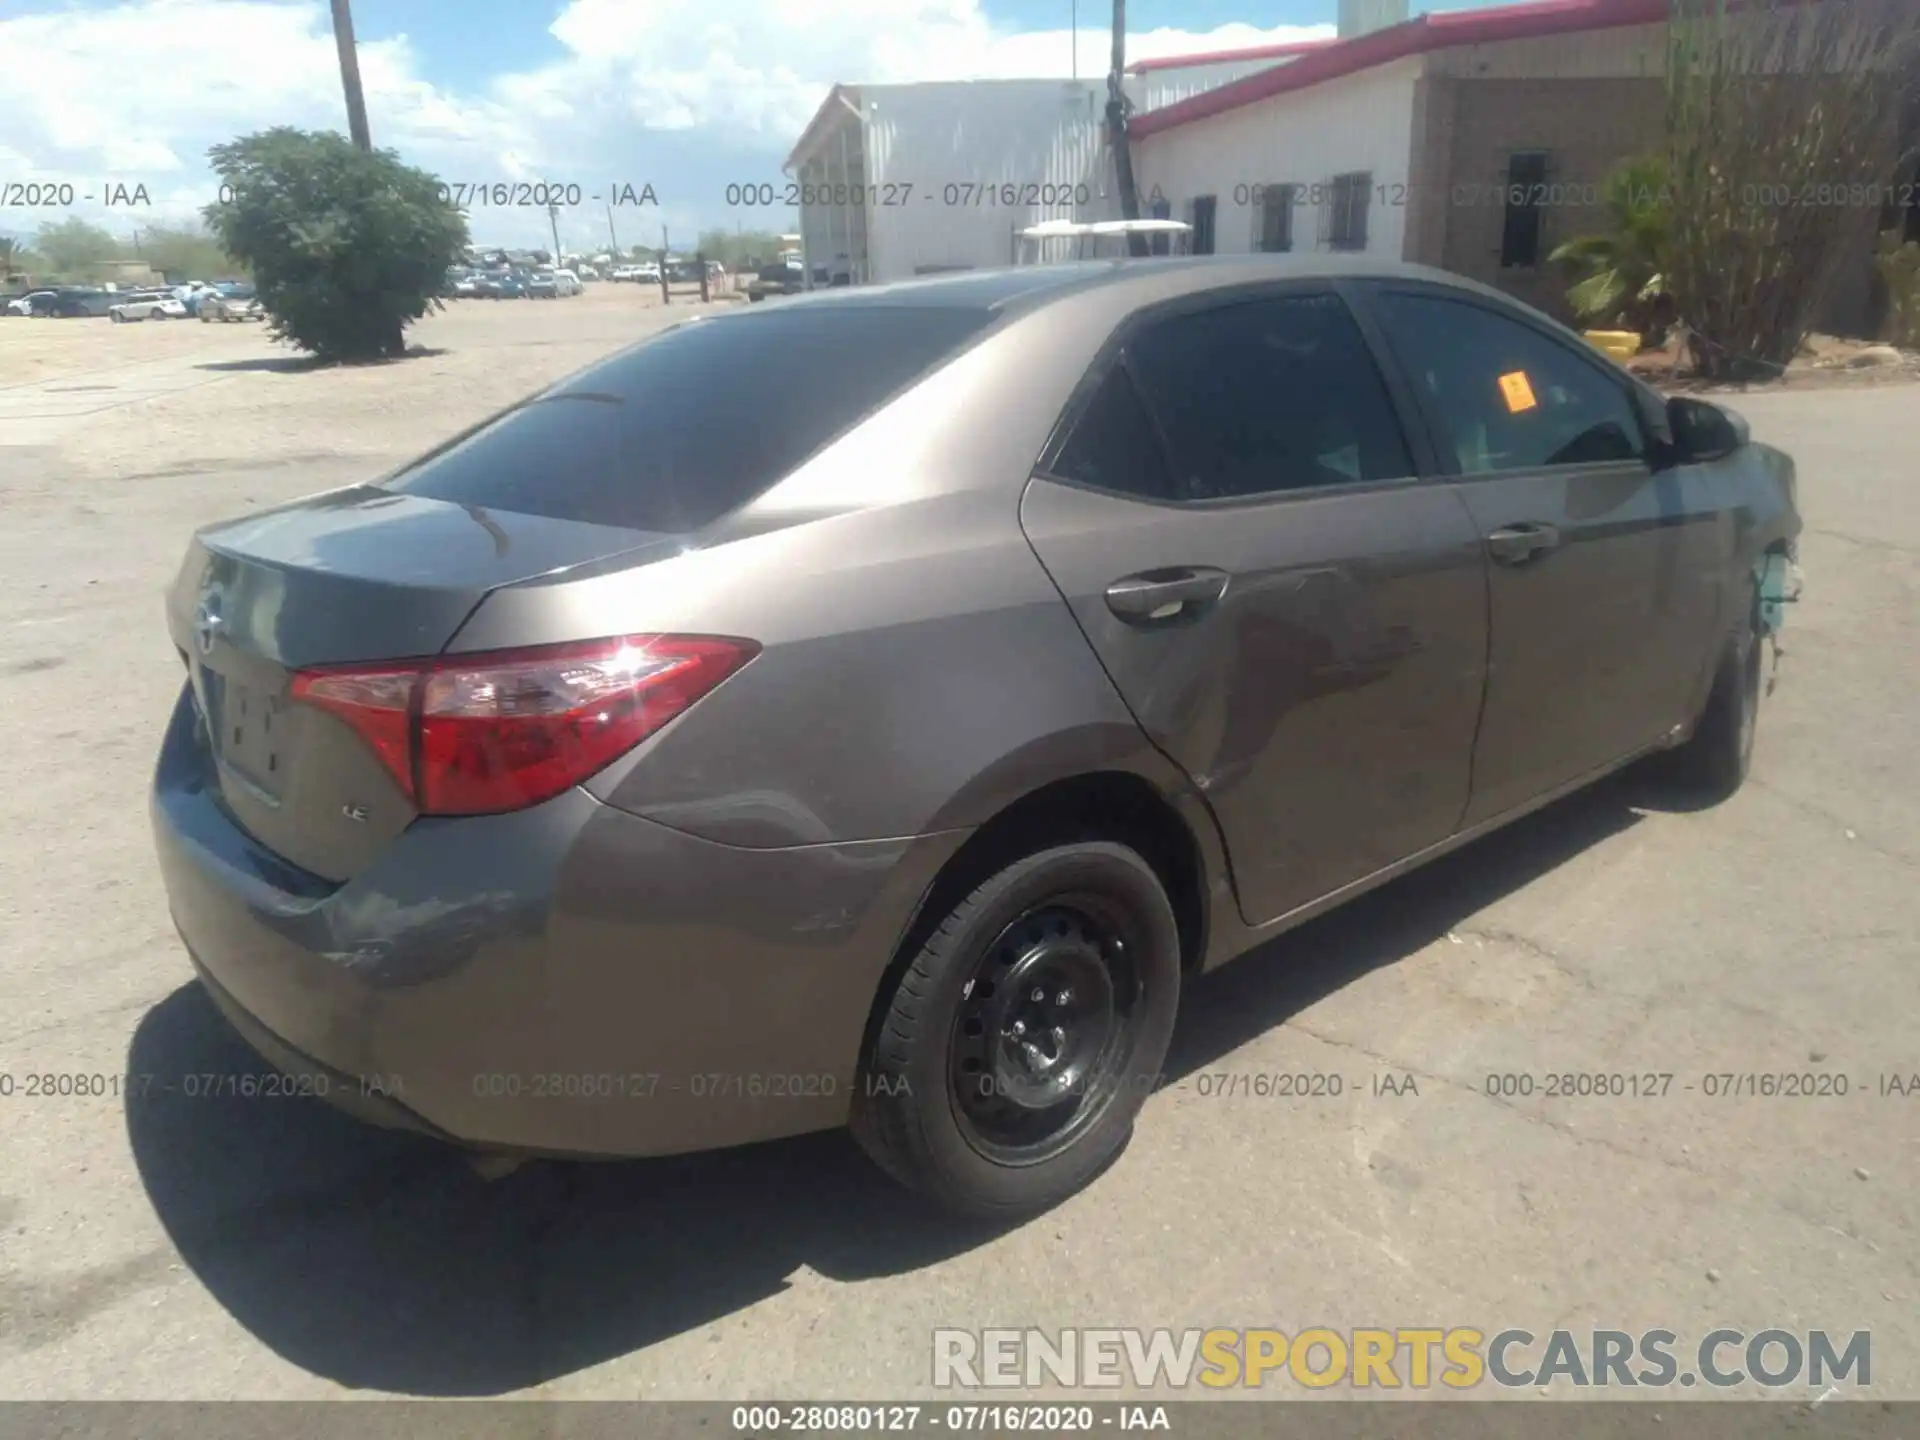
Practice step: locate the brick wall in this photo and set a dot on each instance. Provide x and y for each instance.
(1464, 132)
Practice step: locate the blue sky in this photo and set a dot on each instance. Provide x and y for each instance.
(685, 95)
(462, 45)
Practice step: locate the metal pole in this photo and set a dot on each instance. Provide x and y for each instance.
(613, 240)
(1117, 128)
(553, 219)
(350, 75)
(1074, 30)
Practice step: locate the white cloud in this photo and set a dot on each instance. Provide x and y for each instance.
(684, 94)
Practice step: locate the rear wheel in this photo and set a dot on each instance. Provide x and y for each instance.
(1718, 757)
(1024, 1036)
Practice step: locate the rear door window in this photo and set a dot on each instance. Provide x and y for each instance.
(688, 426)
(1269, 395)
(1113, 445)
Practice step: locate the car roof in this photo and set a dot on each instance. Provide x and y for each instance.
(1130, 282)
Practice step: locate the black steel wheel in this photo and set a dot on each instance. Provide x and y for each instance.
(1040, 1032)
(1025, 1034)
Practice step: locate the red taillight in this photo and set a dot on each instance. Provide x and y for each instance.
(478, 734)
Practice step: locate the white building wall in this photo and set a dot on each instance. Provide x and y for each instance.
(956, 145)
(1305, 137)
(1156, 89)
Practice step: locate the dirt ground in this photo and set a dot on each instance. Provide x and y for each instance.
(230, 387)
(271, 1249)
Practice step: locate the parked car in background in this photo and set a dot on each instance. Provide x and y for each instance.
(1258, 581)
(647, 272)
(34, 302)
(586, 273)
(148, 306)
(788, 277)
(486, 284)
(78, 301)
(230, 302)
(567, 282)
(193, 294)
(510, 285)
(467, 285)
(543, 285)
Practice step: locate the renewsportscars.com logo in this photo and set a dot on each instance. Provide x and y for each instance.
(1415, 1358)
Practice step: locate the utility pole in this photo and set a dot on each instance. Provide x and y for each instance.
(350, 76)
(553, 219)
(1073, 28)
(613, 240)
(1117, 127)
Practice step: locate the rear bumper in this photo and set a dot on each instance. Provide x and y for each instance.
(569, 979)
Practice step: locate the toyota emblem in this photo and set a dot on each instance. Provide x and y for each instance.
(206, 624)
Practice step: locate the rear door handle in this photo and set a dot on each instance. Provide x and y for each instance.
(1517, 544)
(1156, 596)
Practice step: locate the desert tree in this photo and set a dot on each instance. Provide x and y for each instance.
(347, 246)
(1785, 132)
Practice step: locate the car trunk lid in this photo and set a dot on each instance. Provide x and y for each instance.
(361, 575)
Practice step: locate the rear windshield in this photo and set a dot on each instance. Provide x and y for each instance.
(680, 430)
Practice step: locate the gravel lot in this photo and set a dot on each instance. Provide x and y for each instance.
(177, 1248)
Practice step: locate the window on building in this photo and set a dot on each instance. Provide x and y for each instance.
(1276, 218)
(1526, 188)
(1203, 210)
(1507, 396)
(1346, 211)
(1262, 396)
(1113, 446)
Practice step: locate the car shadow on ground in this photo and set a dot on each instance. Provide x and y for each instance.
(382, 1261)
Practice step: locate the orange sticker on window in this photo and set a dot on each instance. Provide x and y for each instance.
(1518, 393)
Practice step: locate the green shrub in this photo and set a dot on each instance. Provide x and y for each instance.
(346, 246)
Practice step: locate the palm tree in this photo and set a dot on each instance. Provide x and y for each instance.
(1623, 271)
(10, 253)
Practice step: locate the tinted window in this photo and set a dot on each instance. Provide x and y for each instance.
(1346, 210)
(1276, 218)
(1113, 445)
(678, 431)
(1204, 209)
(1269, 395)
(1508, 397)
(1520, 230)
(1161, 244)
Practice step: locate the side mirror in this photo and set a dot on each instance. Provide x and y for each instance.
(1704, 431)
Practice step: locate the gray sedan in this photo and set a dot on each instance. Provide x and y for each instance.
(625, 780)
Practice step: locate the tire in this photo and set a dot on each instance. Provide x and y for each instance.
(116, 317)
(1717, 758)
(956, 1100)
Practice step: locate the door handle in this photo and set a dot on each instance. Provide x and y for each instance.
(1176, 593)
(1517, 544)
